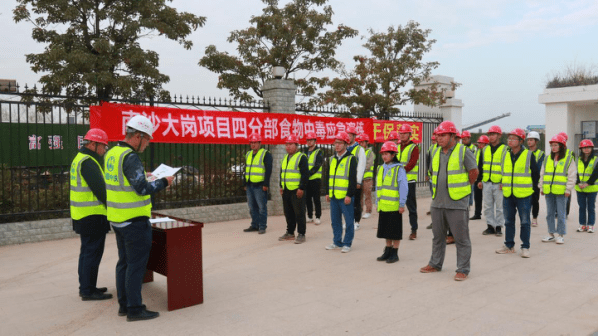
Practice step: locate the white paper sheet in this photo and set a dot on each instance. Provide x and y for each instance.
(163, 171)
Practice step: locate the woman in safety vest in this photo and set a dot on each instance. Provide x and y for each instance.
(391, 191)
(557, 180)
(586, 190)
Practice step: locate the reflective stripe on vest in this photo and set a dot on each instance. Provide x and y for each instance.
(518, 180)
(370, 172)
(405, 157)
(255, 169)
(387, 189)
(478, 153)
(584, 173)
(122, 200)
(555, 180)
(538, 154)
(83, 201)
(291, 176)
(338, 178)
(493, 163)
(457, 176)
(311, 162)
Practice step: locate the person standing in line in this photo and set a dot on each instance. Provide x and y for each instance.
(466, 141)
(557, 180)
(431, 150)
(520, 174)
(88, 211)
(489, 181)
(391, 189)
(294, 175)
(359, 153)
(533, 138)
(341, 186)
(453, 171)
(568, 152)
(585, 186)
(258, 169)
(315, 160)
(409, 158)
(366, 194)
(129, 209)
(478, 195)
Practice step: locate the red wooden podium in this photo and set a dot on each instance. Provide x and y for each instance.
(176, 254)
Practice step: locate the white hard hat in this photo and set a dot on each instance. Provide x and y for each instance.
(533, 135)
(142, 124)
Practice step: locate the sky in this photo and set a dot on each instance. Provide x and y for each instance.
(501, 51)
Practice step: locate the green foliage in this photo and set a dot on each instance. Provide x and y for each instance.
(376, 85)
(92, 46)
(294, 37)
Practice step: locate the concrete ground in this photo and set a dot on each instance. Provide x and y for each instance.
(256, 285)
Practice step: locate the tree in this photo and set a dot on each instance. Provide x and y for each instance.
(93, 46)
(376, 86)
(294, 37)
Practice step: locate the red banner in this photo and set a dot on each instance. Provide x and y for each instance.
(172, 125)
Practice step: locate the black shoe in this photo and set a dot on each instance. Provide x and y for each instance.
(429, 227)
(101, 290)
(475, 218)
(143, 315)
(96, 296)
(386, 254)
(394, 256)
(262, 231)
(250, 229)
(122, 311)
(489, 230)
(498, 231)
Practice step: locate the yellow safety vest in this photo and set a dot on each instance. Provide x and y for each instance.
(492, 163)
(405, 156)
(338, 178)
(122, 200)
(555, 180)
(83, 202)
(255, 169)
(387, 190)
(290, 175)
(370, 172)
(518, 180)
(457, 175)
(584, 173)
(478, 153)
(538, 154)
(311, 162)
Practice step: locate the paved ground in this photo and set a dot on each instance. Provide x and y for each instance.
(256, 285)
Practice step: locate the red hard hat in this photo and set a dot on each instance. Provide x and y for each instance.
(352, 130)
(484, 139)
(494, 129)
(393, 136)
(311, 136)
(564, 135)
(96, 135)
(363, 137)
(586, 143)
(433, 136)
(518, 132)
(342, 136)
(458, 134)
(446, 127)
(434, 132)
(292, 139)
(405, 129)
(255, 137)
(560, 139)
(389, 146)
(466, 134)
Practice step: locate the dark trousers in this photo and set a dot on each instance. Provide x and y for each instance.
(134, 243)
(92, 250)
(357, 205)
(313, 194)
(294, 211)
(535, 203)
(412, 206)
(511, 205)
(478, 198)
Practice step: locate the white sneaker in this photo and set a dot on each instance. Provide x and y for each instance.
(524, 253)
(548, 239)
(331, 247)
(346, 249)
(560, 240)
(366, 215)
(317, 221)
(534, 221)
(309, 220)
(505, 250)
(581, 228)
(356, 226)
(591, 229)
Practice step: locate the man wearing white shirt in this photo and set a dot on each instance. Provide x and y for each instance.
(359, 154)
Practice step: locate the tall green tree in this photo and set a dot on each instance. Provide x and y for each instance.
(92, 46)
(295, 37)
(377, 86)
